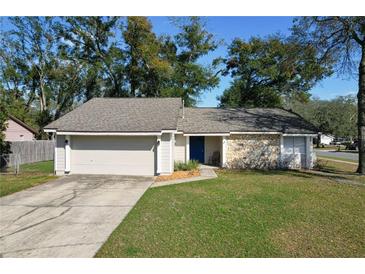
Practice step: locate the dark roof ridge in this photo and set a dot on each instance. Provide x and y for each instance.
(156, 98)
(20, 122)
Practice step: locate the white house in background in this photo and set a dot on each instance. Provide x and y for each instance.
(145, 136)
(17, 130)
(327, 139)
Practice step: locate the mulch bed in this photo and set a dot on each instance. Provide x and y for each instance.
(178, 175)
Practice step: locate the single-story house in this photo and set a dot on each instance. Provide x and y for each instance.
(326, 139)
(17, 130)
(145, 136)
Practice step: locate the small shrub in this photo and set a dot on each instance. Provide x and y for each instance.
(320, 165)
(190, 165)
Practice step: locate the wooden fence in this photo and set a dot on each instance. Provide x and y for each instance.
(31, 151)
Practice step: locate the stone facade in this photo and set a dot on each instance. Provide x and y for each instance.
(253, 151)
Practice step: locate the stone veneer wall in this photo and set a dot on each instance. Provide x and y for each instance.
(253, 151)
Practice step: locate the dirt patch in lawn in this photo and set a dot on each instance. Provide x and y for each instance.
(178, 175)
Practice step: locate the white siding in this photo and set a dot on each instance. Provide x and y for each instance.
(60, 154)
(212, 144)
(326, 139)
(179, 152)
(165, 153)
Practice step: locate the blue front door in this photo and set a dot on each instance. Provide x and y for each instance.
(197, 148)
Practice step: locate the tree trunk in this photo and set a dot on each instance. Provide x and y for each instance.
(42, 99)
(361, 113)
(318, 141)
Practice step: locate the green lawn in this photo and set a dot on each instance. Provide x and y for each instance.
(30, 175)
(327, 165)
(245, 214)
(338, 158)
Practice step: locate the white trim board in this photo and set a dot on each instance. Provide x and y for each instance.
(184, 134)
(254, 132)
(206, 134)
(110, 133)
(158, 169)
(49, 130)
(300, 135)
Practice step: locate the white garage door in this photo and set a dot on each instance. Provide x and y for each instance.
(295, 146)
(120, 155)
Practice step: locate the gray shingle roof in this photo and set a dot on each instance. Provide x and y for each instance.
(214, 120)
(156, 114)
(121, 115)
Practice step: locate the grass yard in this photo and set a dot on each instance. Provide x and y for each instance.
(340, 171)
(245, 214)
(30, 175)
(337, 158)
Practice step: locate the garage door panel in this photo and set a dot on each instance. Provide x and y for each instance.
(295, 147)
(113, 155)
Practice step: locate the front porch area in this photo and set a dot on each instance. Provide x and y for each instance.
(205, 149)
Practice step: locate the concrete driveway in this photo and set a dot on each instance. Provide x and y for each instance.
(69, 217)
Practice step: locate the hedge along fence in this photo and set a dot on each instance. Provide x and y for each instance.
(30, 152)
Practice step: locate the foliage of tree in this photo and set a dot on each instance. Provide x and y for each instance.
(26, 55)
(190, 78)
(3, 122)
(40, 85)
(50, 65)
(91, 42)
(146, 68)
(266, 72)
(337, 117)
(340, 41)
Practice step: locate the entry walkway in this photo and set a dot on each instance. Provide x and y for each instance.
(206, 173)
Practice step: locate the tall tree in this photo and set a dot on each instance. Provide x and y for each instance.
(325, 115)
(190, 78)
(340, 42)
(18, 87)
(33, 44)
(93, 43)
(3, 123)
(146, 69)
(27, 52)
(37, 80)
(266, 72)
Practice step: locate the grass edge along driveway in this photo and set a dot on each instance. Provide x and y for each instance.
(30, 175)
(245, 214)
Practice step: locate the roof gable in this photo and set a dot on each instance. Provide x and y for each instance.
(24, 125)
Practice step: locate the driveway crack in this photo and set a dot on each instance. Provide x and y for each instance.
(74, 195)
(52, 246)
(25, 214)
(33, 225)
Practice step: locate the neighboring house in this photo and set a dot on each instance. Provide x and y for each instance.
(17, 130)
(327, 139)
(145, 136)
